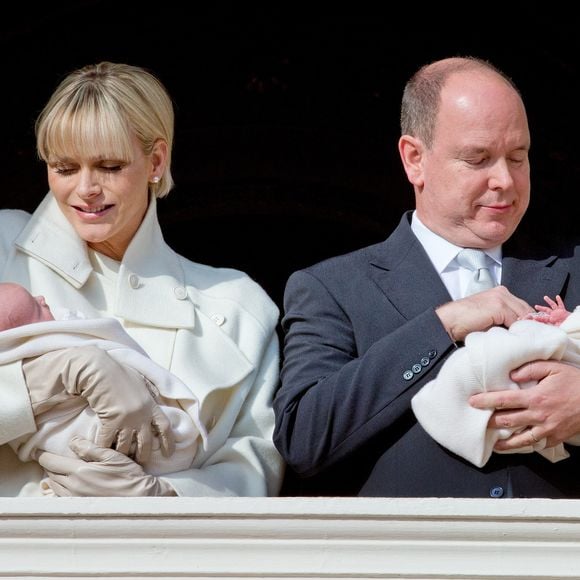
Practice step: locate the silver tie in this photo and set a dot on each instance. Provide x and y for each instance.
(475, 260)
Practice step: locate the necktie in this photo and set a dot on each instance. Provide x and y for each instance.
(475, 260)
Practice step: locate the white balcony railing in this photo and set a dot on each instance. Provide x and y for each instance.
(303, 538)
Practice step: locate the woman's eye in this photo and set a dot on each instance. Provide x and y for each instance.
(64, 170)
(112, 168)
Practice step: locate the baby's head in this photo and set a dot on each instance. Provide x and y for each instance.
(19, 307)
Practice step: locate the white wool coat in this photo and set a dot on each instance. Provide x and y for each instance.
(214, 328)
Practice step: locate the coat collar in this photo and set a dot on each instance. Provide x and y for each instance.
(151, 287)
(50, 238)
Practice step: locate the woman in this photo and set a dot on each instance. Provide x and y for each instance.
(94, 244)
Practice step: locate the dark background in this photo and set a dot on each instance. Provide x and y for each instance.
(287, 113)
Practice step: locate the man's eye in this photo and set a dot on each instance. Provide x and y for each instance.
(476, 161)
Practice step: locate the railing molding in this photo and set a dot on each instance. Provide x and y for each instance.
(289, 538)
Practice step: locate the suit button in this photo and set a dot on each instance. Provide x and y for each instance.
(425, 361)
(432, 354)
(496, 491)
(134, 281)
(416, 368)
(408, 375)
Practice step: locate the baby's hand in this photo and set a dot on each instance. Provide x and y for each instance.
(555, 313)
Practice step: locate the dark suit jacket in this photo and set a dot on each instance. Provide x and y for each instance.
(361, 338)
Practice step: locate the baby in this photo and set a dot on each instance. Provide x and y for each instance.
(484, 363)
(77, 369)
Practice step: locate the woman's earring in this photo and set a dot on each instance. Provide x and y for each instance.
(156, 179)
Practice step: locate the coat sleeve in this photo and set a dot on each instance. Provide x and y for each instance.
(247, 464)
(16, 417)
(336, 400)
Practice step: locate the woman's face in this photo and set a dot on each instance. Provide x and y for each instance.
(105, 199)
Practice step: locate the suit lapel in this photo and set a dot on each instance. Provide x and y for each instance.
(531, 280)
(402, 270)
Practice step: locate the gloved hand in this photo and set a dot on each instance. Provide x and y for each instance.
(120, 396)
(99, 472)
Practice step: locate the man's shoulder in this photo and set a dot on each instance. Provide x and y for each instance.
(343, 264)
(340, 274)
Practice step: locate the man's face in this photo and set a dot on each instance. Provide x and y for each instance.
(474, 184)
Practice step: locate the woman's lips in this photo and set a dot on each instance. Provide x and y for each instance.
(95, 211)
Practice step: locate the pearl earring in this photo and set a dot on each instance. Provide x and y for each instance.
(156, 179)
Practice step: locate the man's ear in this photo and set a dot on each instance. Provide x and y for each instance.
(412, 150)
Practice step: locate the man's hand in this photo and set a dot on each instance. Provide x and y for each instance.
(495, 307)
(99, 472)
(550, 409)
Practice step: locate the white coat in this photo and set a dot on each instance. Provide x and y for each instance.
(214, 328)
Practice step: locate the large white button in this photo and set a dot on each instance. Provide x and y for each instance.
(219, 319)
(134, 281)
(180, 292)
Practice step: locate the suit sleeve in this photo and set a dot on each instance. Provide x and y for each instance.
(335, 399)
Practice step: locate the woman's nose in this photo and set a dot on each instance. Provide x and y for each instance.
(88, 184)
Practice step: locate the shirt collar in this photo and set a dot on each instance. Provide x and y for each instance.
(441, 252)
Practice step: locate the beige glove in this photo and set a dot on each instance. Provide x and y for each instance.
(129, 415)
(99, 472)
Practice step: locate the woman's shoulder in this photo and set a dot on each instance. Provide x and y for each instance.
(15, 218)
(230, 285)
(11, 223)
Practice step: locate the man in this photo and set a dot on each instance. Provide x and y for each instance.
(365, 331)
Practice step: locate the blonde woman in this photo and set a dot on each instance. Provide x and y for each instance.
(94, 244)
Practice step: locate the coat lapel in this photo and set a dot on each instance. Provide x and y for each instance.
(51, 239)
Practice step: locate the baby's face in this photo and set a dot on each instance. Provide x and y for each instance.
(41, 310)
(18, 307)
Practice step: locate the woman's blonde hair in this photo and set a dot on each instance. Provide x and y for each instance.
(97, 109)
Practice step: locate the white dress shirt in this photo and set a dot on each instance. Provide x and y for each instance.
(443, 257)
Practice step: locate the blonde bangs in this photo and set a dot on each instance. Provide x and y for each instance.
(89, 129)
